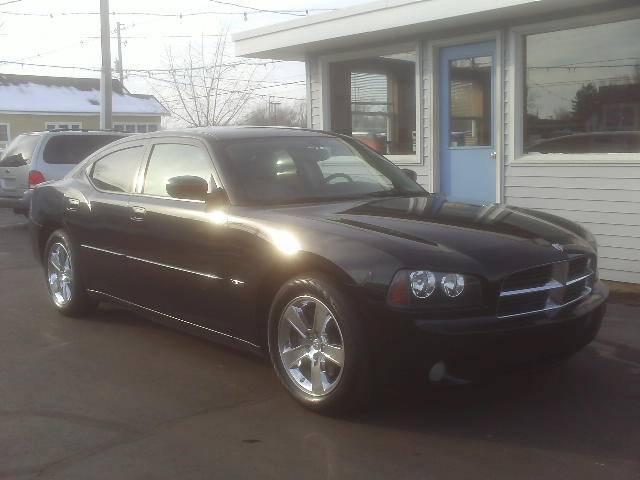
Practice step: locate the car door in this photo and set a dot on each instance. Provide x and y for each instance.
(177, 259)
(101, 224)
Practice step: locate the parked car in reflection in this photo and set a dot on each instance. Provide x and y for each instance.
(323, 255)
(591, 142)
(33, 158)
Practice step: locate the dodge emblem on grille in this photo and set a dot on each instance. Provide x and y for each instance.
(558, 247)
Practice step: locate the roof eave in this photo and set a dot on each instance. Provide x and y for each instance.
(378, 21)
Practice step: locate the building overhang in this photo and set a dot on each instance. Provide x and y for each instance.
(398, 19)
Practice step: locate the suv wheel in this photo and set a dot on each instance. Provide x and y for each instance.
(316, 345)
(63, 277)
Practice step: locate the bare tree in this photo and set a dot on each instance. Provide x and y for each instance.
(207, 87)
(281, 114)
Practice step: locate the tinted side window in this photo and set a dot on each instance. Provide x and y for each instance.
(116, 171)
(72, 149)
(169, 160)
(22, 146)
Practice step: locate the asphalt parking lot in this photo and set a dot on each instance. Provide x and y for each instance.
(117, 397)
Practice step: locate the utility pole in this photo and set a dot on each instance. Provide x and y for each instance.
(119, 62)
(106, 122)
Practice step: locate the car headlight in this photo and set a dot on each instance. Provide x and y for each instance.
(426, 288)
(423, 283)
(452, 284)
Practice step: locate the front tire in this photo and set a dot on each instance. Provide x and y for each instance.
(63, 277)
(316, 345)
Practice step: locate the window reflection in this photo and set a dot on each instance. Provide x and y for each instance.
(583, 90)
(374, 100)
(470, 102)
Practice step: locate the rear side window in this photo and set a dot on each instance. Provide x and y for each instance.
(21, 148)
(115, 172)
(173, 160)
(72, 149)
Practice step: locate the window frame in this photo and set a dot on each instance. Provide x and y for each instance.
(68, 124)
(517, 102)
(88, 169)
(144, 165)
(135, 125)
(8, 141)
(415, 45)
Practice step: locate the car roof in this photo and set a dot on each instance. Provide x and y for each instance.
(241, 132)
(52, 133)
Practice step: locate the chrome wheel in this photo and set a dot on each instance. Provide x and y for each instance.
(59, 274)
(310, 345)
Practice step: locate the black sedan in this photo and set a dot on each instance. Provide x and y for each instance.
(311, 247)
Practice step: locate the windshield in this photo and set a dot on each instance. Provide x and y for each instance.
(285, 170)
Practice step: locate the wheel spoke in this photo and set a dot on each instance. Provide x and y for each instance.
(321, 317)
(54, 259)
(334, 353)
(318, 378)
(292, 356)
(294, 317)
(60, 272)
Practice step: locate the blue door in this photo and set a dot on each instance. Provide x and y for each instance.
(467, 137)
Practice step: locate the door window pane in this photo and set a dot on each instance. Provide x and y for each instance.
(374, 100)
(582, 90)
(116, 171)
(173, 160)
(470, 102)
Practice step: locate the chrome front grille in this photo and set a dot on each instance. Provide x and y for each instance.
(546, 288)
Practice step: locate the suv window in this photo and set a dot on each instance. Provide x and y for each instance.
(169, 160)
(115, 172)
(20, 150)
(72, 149)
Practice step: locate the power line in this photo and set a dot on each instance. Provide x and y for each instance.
(163, 80)
(142, 70)
(179, 15)
(10, 1)
(295, 13)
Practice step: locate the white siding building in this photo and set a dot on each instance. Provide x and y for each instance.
(534, 103)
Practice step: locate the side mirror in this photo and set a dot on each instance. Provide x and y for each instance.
(217, 198)
(188, 187)
(411, 174)
(15, 160)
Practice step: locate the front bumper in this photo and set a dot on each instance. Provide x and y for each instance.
(481, 344)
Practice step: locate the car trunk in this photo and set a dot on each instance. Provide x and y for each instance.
(15, 165)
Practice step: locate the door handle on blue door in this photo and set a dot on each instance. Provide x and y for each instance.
(493, 155)
(138, 213)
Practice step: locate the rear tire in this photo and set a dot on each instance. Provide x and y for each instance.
(64, 277)
(317, 346)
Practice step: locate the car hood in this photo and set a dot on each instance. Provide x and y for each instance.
(432, 232)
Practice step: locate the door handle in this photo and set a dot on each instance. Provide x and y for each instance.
(138, 213)
(493, 155)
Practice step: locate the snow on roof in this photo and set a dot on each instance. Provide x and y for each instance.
(30, 93)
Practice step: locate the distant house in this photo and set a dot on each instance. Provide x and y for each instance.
(31, 103)
(532, 103)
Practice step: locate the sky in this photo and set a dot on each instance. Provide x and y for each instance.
(59, 33)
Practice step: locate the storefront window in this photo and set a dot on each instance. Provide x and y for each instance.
(374, 100)
(582, 90)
